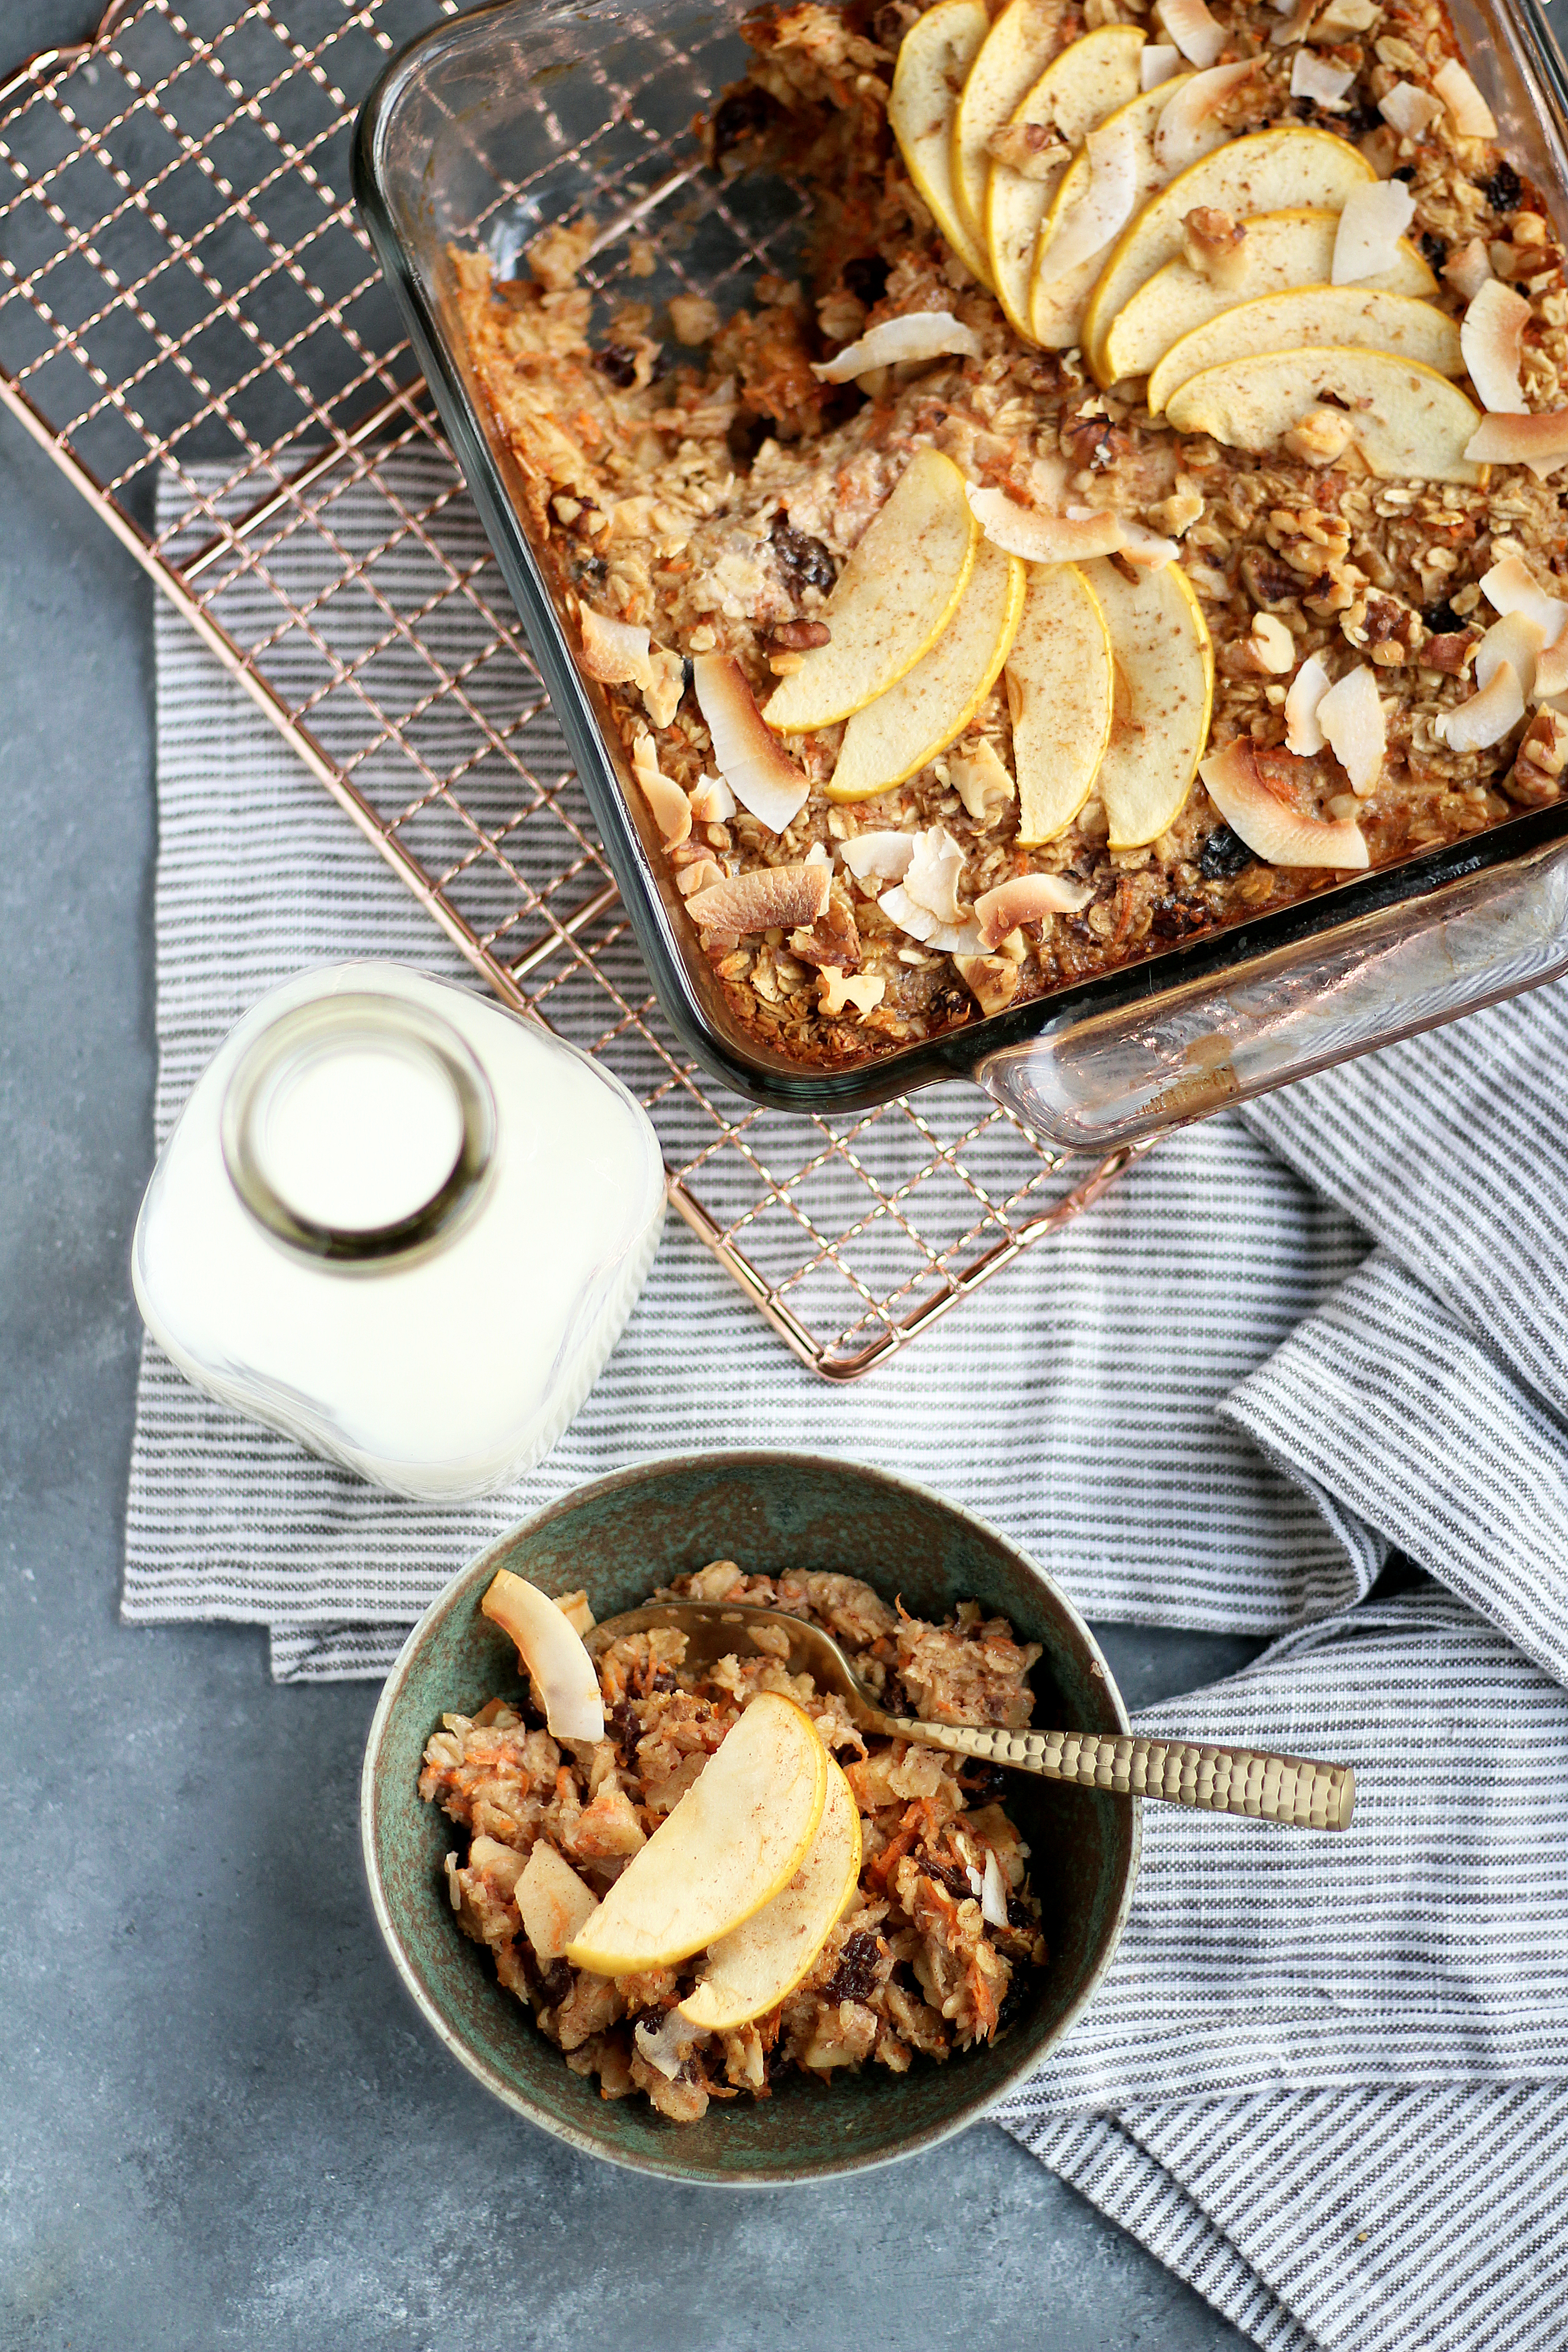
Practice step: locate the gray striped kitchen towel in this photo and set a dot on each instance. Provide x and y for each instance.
(1327, 2080)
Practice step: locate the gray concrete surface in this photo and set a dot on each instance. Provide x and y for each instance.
(220, 2123)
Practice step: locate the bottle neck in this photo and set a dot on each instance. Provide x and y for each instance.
(359, 1131)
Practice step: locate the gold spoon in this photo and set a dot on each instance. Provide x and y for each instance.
(1220, 1779)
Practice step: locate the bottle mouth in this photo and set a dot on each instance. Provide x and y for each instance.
(359, 1128)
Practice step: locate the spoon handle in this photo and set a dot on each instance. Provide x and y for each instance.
(1221, 1779)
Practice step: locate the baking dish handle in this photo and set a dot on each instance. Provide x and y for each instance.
(1161, 1059)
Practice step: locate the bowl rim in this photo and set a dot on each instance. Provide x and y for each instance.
(781, 2174)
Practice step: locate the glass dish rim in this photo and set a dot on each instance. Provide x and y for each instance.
(1419, 881)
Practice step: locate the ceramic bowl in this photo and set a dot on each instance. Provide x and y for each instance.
(620, 1538)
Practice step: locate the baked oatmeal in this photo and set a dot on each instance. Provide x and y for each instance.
(940, 1932)
(1139, 512)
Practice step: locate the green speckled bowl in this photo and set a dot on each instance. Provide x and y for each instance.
(619, 1537)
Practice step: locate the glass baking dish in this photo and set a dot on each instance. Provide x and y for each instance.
(522, 114)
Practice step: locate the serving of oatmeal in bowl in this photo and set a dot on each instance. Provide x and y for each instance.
(1040, 502)
(662, 1896)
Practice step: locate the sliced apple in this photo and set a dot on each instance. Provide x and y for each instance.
(1282, 249)
(554, 1903)
(1011, 58)
(1269, 823)
(1058, 294)
(552, 1650)
(1164, 663)
(750, 1970)
(1059, 690)
(934, 56)
(1408, 422)
(1091, 78)
(734, 1842)
(1340, 318)
(1294, 166)
(895, 736)
(892, 601)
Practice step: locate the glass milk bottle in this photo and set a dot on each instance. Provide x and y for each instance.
(402, 1226)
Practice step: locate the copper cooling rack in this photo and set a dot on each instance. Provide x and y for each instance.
(193, 326)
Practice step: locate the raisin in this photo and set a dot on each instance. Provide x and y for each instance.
(1403, 172)
(619, 363)
(805, 561)
(855, 1974)
(590, 568)
(1503, 190)
(1173, 920)
(1442, 620)
(1434, 249)
(984, 1782)
(742, 115)
(866, 277)
(1360, 120)
(946, 1874)
(1224, 854)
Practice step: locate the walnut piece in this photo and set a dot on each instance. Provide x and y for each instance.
(1215, 245)
(990, 980)
(1536, 777)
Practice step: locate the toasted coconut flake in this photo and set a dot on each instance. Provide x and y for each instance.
(932, 874)
(753, 762)
(1540, 442)
(1517, 641)
(1215, 244)
(1027, 898)
(1354, 726)
(1410, 110)
(700, 875)
(670, 2045)
(1314, 77)
(1374, 220)
(994, 1893)
(1271, 827)
(1551, 672)
(1471, 116)
(672, 809)
(952, 939)
(1491, 339)
(1303, 733)
(1193, 29)
(856, 992)
(1510, 587)
(615, 652)
(1145, 548)
(1157, 61)
(982, 782)
(1106, 206)
(1487, 717)
(1468, 268)
(1178, 133)
(765, 898)
(916, 335)
(712, 802)
(1298, 23)
(878, 856)
(1043, 538)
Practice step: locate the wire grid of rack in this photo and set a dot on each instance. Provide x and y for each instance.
(188, 298)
